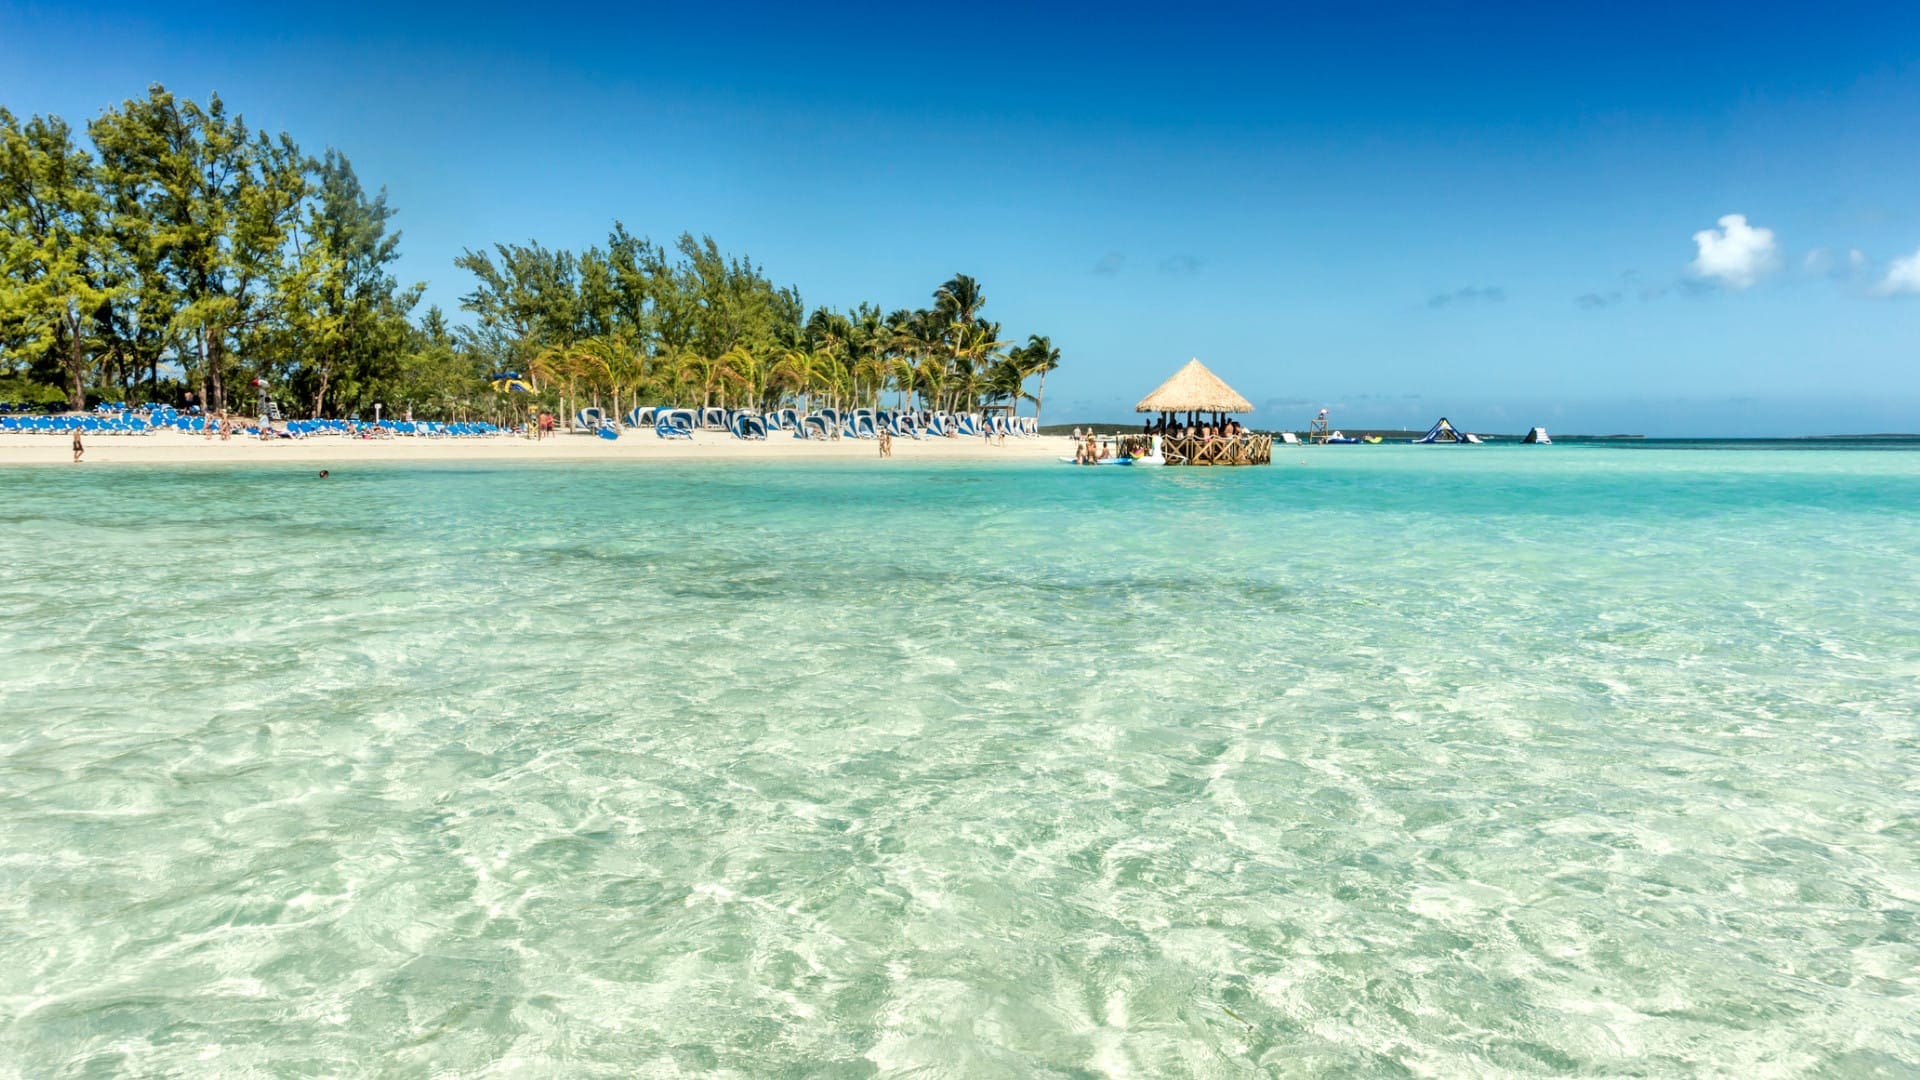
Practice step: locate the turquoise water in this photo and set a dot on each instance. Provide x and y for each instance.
(1425, 761)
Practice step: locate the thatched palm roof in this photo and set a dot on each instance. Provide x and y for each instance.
(1194, 389)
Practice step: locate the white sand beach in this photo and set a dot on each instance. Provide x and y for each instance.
(180, 448)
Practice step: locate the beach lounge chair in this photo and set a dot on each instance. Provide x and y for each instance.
(813, 427)
(674, 423)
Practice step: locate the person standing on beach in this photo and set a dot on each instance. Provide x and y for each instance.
(78, 447)
(886, 443)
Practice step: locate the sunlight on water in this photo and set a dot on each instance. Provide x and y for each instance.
(1379, 761)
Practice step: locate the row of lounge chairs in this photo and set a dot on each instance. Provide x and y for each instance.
(132, 423)
(89, 425)
(670, 423)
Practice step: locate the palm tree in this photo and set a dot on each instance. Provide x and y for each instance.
(679, 372)
(562, 360)
(614, 359)
(899, 369)
(835, 378)
(794, 373)
(699, 372)
(975, 352)
(1006, 379)
(738, 368)
(959, 300)
(930, 375)
(1037, 358)
(871, 371)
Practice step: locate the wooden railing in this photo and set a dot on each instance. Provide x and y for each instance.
(1245, 449)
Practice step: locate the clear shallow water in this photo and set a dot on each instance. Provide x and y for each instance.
(1405, 761)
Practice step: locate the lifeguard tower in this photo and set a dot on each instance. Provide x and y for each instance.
(1317, 428)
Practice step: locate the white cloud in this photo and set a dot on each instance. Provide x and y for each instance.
(1736, 253)
(1903, 276)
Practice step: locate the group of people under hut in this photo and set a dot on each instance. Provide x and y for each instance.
(1174, 429)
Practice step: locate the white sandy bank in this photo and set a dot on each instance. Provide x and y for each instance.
(179, 448)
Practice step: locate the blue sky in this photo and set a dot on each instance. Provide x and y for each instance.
(1395, 212)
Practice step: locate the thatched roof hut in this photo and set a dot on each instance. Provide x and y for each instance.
(1194, 389)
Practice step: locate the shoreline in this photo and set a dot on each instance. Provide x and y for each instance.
(180, 448)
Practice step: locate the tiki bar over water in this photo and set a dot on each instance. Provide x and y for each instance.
(1195, 421)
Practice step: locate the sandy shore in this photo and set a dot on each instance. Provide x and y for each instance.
(178, 448)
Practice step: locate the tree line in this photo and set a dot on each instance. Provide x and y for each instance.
(177, 255)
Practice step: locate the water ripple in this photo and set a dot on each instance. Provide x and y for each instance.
(1401, 763)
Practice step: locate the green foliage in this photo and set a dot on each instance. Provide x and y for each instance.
(185, 253)
(186, 246)
(690, 326)
(52, 250)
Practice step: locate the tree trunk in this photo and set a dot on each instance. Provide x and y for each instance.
(210, 349)
(200, 339)
(320, 396)
(75, 362)
(76, 380)
(1038, 397)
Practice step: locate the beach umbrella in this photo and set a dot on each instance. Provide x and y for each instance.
(510, 382)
